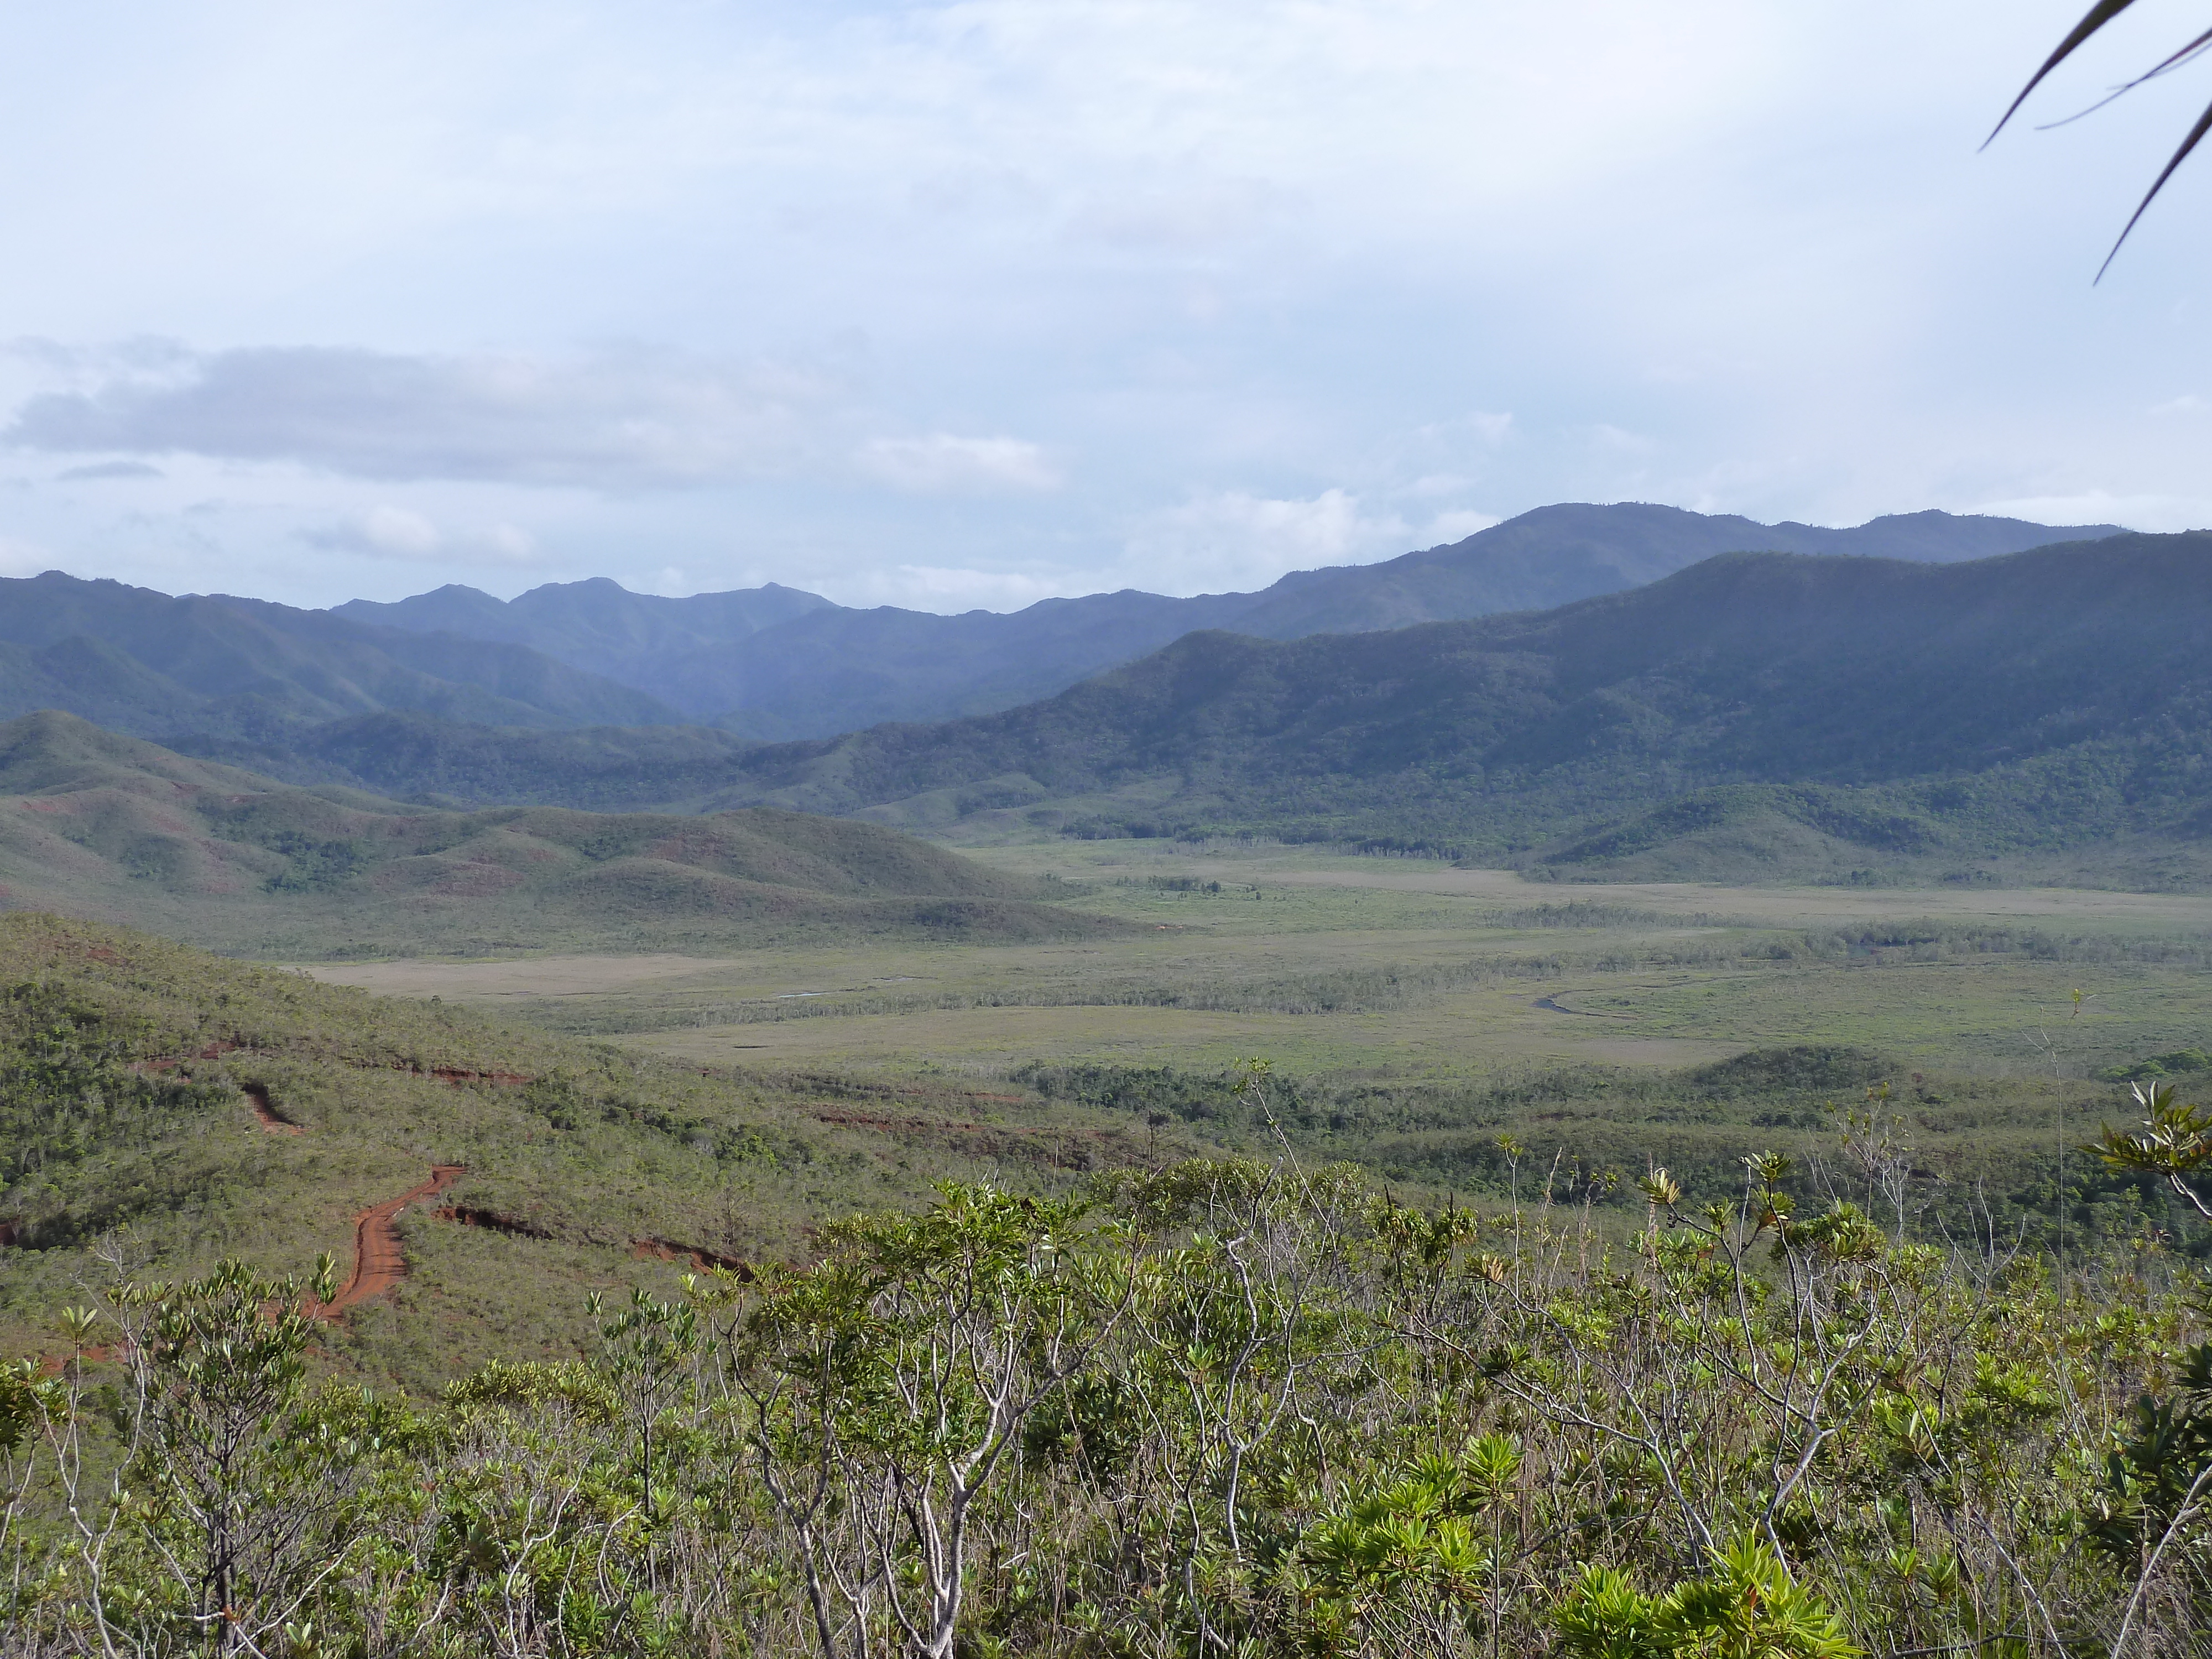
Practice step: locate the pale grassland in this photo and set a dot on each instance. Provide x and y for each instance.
(1397, 967)
(1777, 907)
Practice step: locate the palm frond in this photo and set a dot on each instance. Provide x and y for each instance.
(2195, 136)
(2099, 14)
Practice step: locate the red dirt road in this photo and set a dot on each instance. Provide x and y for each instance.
(379, 1262)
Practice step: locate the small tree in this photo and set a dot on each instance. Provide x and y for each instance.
(890, 1385)
(237, 1498)
(2175, 1143)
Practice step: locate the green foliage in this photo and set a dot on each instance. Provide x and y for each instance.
(2158, 1065)
(2155, 1474)
(2175, 1143)
(1749, 1607)
(67, 1089)
(1230, 1405)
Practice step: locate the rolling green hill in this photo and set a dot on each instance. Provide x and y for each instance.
(412, 755)
(186, 1107)
(109, 827)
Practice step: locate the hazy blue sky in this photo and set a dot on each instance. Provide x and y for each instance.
(949, 304)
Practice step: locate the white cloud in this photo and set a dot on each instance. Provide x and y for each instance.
(1235, 540)
(1478, 429)
(2160, 514)
(942, 464)
(615, 420)
(2188, 403)
(385, 531)
(505, 542)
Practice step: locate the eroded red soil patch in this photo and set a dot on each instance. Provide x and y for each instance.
(100, 1353)
(465, 1216)
(664, 1249)
(215, 1050)
(257, 1096)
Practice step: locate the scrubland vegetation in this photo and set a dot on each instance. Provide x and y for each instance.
(130, 1070)
(1228, 1406)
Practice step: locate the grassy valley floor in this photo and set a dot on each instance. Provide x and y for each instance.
(1420, 1018)
(1411, 970)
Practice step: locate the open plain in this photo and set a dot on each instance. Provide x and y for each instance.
(1408, 969)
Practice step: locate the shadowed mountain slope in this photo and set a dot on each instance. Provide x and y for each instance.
(2044, 699)
(114, 829)
(638, 639)
(143, 662)
(772, 662)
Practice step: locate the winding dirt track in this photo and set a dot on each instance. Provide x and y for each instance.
(379, 1262)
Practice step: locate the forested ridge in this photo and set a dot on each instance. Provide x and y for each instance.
(1770, 712)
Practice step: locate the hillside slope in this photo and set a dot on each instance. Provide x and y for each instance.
(191, 1108)
(111, 828)
(2038, 701)
(772, 662)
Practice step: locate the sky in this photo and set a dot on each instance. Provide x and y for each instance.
(950, 305)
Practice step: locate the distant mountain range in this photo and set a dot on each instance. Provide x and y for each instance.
(1757, 713)
(255, 682)
(2043, 715)
(2040, 714)
(773, 662)
(142, 662)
